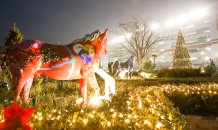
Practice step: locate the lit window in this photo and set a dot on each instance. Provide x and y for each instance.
(192, 33)
(161, 35)
(194, 58)
(161, 42)
(162, 56)
(191, 41)
(206, 21)
(207, 31)
(189, 26)
(208, 39)
(208, 48)
(161, 50)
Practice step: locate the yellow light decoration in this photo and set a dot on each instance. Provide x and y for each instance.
(84, 121)
(149, 123)
(159, 125)
(127, 121)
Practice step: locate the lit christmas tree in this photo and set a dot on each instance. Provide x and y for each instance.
(181, 57)
(14, 37)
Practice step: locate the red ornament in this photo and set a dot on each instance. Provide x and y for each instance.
(16, 118)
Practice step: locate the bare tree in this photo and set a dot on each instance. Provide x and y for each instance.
(139, 37)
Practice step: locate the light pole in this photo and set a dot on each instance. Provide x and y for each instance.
(154, 60)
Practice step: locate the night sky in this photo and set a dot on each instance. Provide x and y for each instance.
(66, 20)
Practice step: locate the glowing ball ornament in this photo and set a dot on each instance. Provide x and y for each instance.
(5, 85)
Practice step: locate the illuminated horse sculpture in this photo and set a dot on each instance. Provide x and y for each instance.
(117, 67)
(77, 60)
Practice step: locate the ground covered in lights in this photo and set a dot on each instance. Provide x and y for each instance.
(130, 108)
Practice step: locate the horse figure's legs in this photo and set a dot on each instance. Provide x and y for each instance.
(25, 74)
(89, 75)
(83, 88)
(116, 72)
(128, 75)
(131, 73)
(110, 68)
(26, 90)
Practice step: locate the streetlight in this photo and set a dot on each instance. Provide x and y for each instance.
(154, 59)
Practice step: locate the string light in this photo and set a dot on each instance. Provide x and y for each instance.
(134, 115)
(84, 121)
(127, 121)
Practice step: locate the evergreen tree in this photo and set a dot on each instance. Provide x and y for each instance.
(14, 37)
(181, 57)
(148, 66)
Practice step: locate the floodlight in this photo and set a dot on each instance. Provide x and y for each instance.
(182, 18)
(119, 39)
(199, 12)
(154, 26)
(170, 22)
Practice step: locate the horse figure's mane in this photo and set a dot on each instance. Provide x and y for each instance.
(130, 60)
(94, 35)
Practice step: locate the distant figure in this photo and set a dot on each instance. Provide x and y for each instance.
(212, 63)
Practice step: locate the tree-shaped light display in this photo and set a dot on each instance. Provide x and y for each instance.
(181, 57)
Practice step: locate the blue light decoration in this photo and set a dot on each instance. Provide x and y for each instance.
(5, 85)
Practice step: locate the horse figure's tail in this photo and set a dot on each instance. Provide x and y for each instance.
(2, 55)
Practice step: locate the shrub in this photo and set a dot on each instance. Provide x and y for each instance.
(215, 74)
(181, 73)
(199, 99)
(130, 108)
(209, 68)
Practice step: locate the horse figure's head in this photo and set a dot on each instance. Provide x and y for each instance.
(103, 40)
